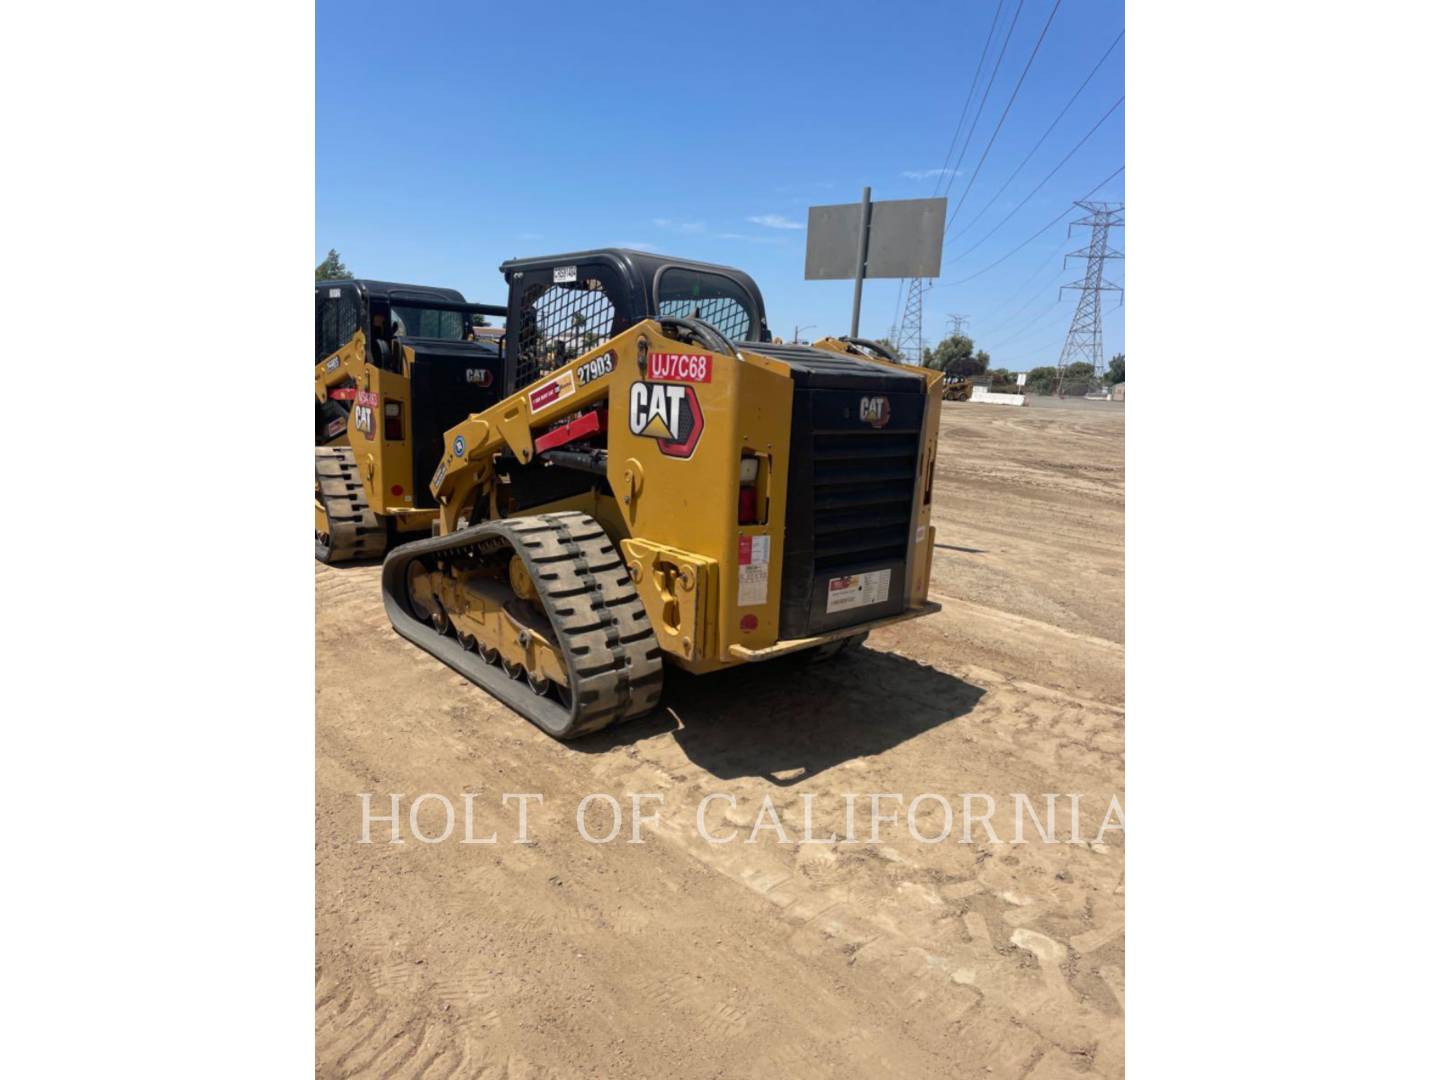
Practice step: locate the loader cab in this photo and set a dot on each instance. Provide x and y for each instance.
(385, 310)
(564, 305)
(452, 373)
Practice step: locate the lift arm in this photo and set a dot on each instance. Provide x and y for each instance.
(471, 445)
(346, 363)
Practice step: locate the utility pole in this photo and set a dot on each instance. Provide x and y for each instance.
(796, 339)
(909, 338)
(860, 256)
(958, 323)
(1085, 341)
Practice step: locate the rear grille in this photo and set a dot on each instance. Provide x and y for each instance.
(851, 485)
(864, 483)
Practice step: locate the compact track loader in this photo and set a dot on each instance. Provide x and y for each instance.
(664, 484)
(411, 346)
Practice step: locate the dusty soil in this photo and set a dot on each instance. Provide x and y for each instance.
(674, 957)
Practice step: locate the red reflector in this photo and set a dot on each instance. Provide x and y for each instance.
(344, 393)
(749, 512)
(396, 489)
(749, 623)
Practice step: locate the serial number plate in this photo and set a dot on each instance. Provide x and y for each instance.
(857, 590)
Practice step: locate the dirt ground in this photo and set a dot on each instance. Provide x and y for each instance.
(674, 957)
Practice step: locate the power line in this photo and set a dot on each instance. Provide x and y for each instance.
(1113, 308)
(1039, 143)
(897, 328)
(1034, 274)
(985, 97)
(975, 172)
(1020, 334)
(1012, 316)
(974, 81)
(1035, 236)
(1060, 165)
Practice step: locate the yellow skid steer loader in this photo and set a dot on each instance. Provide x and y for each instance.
(662, 484)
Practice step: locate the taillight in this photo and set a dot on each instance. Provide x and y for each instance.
(394, 425)
(749, 490)
(749, 506)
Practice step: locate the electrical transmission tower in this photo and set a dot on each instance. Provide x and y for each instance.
(1086, 341)
(909, 336)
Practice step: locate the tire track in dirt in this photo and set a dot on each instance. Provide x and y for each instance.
(676, 957)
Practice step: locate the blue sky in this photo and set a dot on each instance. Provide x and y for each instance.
(452, 136)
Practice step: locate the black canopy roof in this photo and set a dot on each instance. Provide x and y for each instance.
(642, 268)
(393, 289)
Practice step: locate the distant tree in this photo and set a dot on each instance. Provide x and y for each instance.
(956, 356)
(332, 268)
(1079, 371)
(1116, 374)
(1041, 380)
(477, 319)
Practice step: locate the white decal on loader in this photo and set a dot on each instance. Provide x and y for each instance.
(857, 590)
(875, 411)
(594, 369)
(669, 413)
(753, 570)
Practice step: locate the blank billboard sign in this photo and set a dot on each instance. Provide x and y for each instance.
(905, 239)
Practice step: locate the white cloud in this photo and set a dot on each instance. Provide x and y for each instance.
(775, 221)
(927, 174)
(748, 237)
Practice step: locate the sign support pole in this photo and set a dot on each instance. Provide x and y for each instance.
(860, 257)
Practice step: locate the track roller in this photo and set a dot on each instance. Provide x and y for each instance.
(557, 630)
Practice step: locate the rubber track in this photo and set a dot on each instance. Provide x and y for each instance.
(612, 658)
(355, 531)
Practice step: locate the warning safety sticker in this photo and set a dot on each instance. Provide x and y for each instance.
(754, 570)
(857, 590)
(551, 391)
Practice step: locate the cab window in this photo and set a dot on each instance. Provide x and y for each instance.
(717, 299)
(337, 317)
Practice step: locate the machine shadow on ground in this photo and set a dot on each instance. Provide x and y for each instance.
(787, 721)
